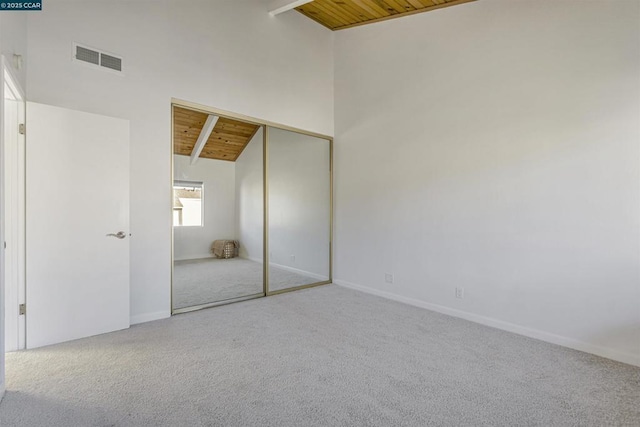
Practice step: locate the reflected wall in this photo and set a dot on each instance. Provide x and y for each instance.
(299, 207)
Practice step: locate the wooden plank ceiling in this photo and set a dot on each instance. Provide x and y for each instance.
(341, 14)
(226, 142)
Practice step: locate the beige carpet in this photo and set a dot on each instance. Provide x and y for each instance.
(326, 356)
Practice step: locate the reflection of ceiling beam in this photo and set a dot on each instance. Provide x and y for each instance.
(277, 7)
(203, 138)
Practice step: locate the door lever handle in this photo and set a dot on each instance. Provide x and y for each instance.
(119, 235)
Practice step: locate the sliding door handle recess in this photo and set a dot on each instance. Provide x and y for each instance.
(119, 235)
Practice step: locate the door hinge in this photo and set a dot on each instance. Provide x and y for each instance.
(23, 309)
(21, 129)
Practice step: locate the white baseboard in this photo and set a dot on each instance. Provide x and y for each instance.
(148, 317)
(608, 353)
(297, 271)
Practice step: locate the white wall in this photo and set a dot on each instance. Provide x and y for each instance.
(249, 199)
(2, 239)
(225, 53)
(299, 210)
(13, 40)
(218, 177)
(495, 146)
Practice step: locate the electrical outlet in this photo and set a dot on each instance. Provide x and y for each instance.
(388, 278)
(460, 293)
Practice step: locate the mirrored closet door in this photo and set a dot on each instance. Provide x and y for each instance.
(299, 209)
(239, 186)
(217, 210)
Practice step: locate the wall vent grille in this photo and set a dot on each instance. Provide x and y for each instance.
(112, 62)
(97, 58)
(87, 55)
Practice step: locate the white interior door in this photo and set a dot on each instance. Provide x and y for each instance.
(77, 192)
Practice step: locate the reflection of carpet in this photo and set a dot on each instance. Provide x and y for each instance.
(202, 281)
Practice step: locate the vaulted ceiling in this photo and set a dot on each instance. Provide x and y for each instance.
(229, 137)
(341, 14)
(226, 142)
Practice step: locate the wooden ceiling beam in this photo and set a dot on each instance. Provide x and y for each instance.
(277, 7)
(203, 137)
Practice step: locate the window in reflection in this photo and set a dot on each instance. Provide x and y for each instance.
(187, 204)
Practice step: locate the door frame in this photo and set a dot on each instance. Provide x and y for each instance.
(17, 289)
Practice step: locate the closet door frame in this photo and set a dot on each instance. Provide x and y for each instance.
(265, 124)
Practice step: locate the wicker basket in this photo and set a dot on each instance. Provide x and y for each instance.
(225, 248)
